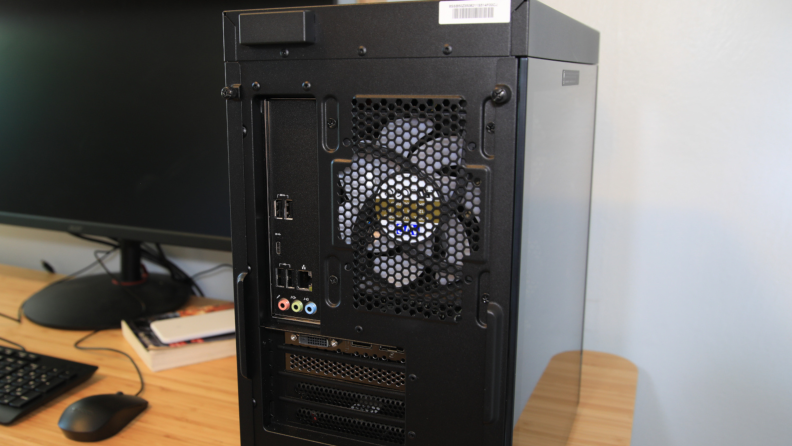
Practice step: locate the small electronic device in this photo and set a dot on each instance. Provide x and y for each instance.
(29, 381)
(180, 329)
(97, 417)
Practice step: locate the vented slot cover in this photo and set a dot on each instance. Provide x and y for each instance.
(345, 371)
(351, 426)
(351, 400)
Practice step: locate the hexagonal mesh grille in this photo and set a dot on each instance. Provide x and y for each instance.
(408, 207)
(345, 371)
(351, 426)
(351, 400)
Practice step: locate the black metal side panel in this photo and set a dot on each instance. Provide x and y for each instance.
(554, 205)
(236, 163)
(555, 36)
(454, 355)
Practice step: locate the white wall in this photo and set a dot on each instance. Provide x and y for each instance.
(691, 239)
(26, 247)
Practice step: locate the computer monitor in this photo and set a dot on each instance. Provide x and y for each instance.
(111, 124)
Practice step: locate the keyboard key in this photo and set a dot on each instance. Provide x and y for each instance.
(29, 357)
(44, 387)
(24, 399)
(28, 380)
(67, 374)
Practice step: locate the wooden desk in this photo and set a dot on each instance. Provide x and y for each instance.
(605, 413)
(197, 405)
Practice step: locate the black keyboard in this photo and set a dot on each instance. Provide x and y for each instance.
(29, 380)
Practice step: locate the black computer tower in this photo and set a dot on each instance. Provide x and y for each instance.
(410, 193)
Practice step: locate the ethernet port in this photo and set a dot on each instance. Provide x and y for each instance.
(280, 277)
(304, 280)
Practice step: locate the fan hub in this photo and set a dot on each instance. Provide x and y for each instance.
(408, 208)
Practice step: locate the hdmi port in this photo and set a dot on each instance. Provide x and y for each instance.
(359, 344)
(391, 349)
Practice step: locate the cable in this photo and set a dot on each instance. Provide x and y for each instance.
(17, 319)
(177, 273)
(155, 255)
(137, 369)
(207, 271)
(71, 276)
(125, 288)
(95, 240)
(85, 269)
(13, 343)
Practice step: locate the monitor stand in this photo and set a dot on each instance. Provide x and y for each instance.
(96, 302)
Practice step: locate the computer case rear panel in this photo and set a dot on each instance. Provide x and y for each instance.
(410, 205)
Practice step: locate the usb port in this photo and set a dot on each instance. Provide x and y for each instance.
(287, 210)
(304, 280)
(279, 209)
(360, 345)
(280, 277)
(289, 278)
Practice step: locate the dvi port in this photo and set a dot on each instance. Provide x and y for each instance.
(314, 340)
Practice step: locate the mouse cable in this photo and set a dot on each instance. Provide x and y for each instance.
(21, 347)
(137, 369)
(18, 318)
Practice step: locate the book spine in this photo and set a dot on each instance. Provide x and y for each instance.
(139, 348)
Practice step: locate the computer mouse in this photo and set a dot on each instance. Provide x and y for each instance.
(100, 416)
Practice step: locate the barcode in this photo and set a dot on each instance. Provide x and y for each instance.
(473, 13)
(462, 12)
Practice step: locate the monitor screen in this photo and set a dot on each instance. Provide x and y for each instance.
(111, 121)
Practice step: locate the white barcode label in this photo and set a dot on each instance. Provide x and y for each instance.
(475, 11)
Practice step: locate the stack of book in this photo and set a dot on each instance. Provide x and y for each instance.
(202, 331)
